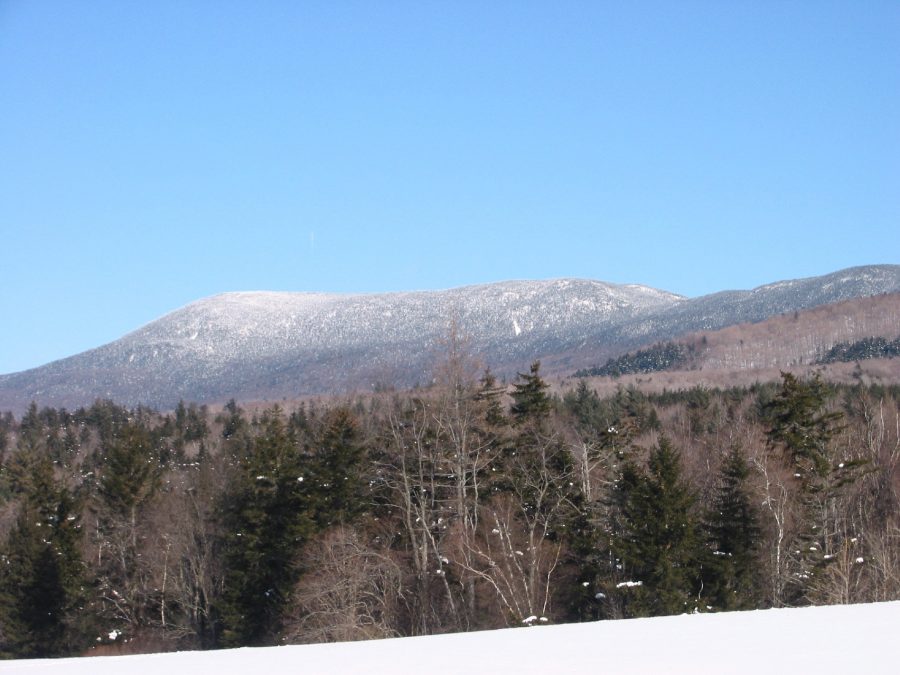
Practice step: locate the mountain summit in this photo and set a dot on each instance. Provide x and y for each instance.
(266, 345)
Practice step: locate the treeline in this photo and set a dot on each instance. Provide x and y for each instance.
(658, 357)
(867, 348)
(457, 507)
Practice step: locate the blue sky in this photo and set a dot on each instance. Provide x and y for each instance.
(152, 153)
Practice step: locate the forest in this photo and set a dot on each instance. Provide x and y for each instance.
(661, 356)
(867, 348)
(463, 505)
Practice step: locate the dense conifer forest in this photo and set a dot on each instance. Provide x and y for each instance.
(464, 505)
(867, 348)
(662, 356)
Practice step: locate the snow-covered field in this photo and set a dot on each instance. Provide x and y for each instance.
(840, 639)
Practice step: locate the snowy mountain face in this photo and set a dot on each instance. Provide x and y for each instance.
(262, 345)
(728, 308)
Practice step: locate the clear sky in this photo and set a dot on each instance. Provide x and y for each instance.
(153, 153)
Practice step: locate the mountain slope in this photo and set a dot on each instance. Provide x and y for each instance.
(270, 345)
(744, 353)
(274, 345)
(727, 308)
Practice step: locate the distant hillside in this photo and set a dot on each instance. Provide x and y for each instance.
(258, 346)
(797, 338)
(831, 336)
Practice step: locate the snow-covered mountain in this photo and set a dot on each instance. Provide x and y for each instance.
(264, 345)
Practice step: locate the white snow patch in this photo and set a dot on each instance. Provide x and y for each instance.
(838, 639)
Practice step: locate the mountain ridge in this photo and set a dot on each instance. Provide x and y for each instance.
(276, 344)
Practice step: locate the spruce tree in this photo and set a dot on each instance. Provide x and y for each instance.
(266, 520)
(130, 473)
(799, 423)
(232, 420)
(530, 399)
(803, 427)
(732, 531)
(129, 480)
(491, 394)
(41, 572)
(338, 481)
(656, 543)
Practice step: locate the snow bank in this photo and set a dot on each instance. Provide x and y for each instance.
(840, 639)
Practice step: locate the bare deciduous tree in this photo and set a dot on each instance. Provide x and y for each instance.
(352, 590)
(520, 538)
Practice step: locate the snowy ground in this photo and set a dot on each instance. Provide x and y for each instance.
(841, 639)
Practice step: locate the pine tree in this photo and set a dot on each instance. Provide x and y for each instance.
(490, 394)
(804, 429)
(338, 482)
(799, 424)
(732, 531)
(530, 399)
(656, 543)
(584, 404)
(265, 519)
(41, 572)
(130, 472)
(232, 420)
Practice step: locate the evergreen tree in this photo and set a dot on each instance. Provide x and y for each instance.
(129, 478)
(31, 429)
(41, 572)
(584, 404)
(265, 521)
(5, 426)
(30, 447)
(130, 473)
(106, 417)
(232, 419)
(490, 393)
(4, 472)
(802, 426)
(338, 480)
(656, 543)
(732, 531)
(530, 399)
(799, 423)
